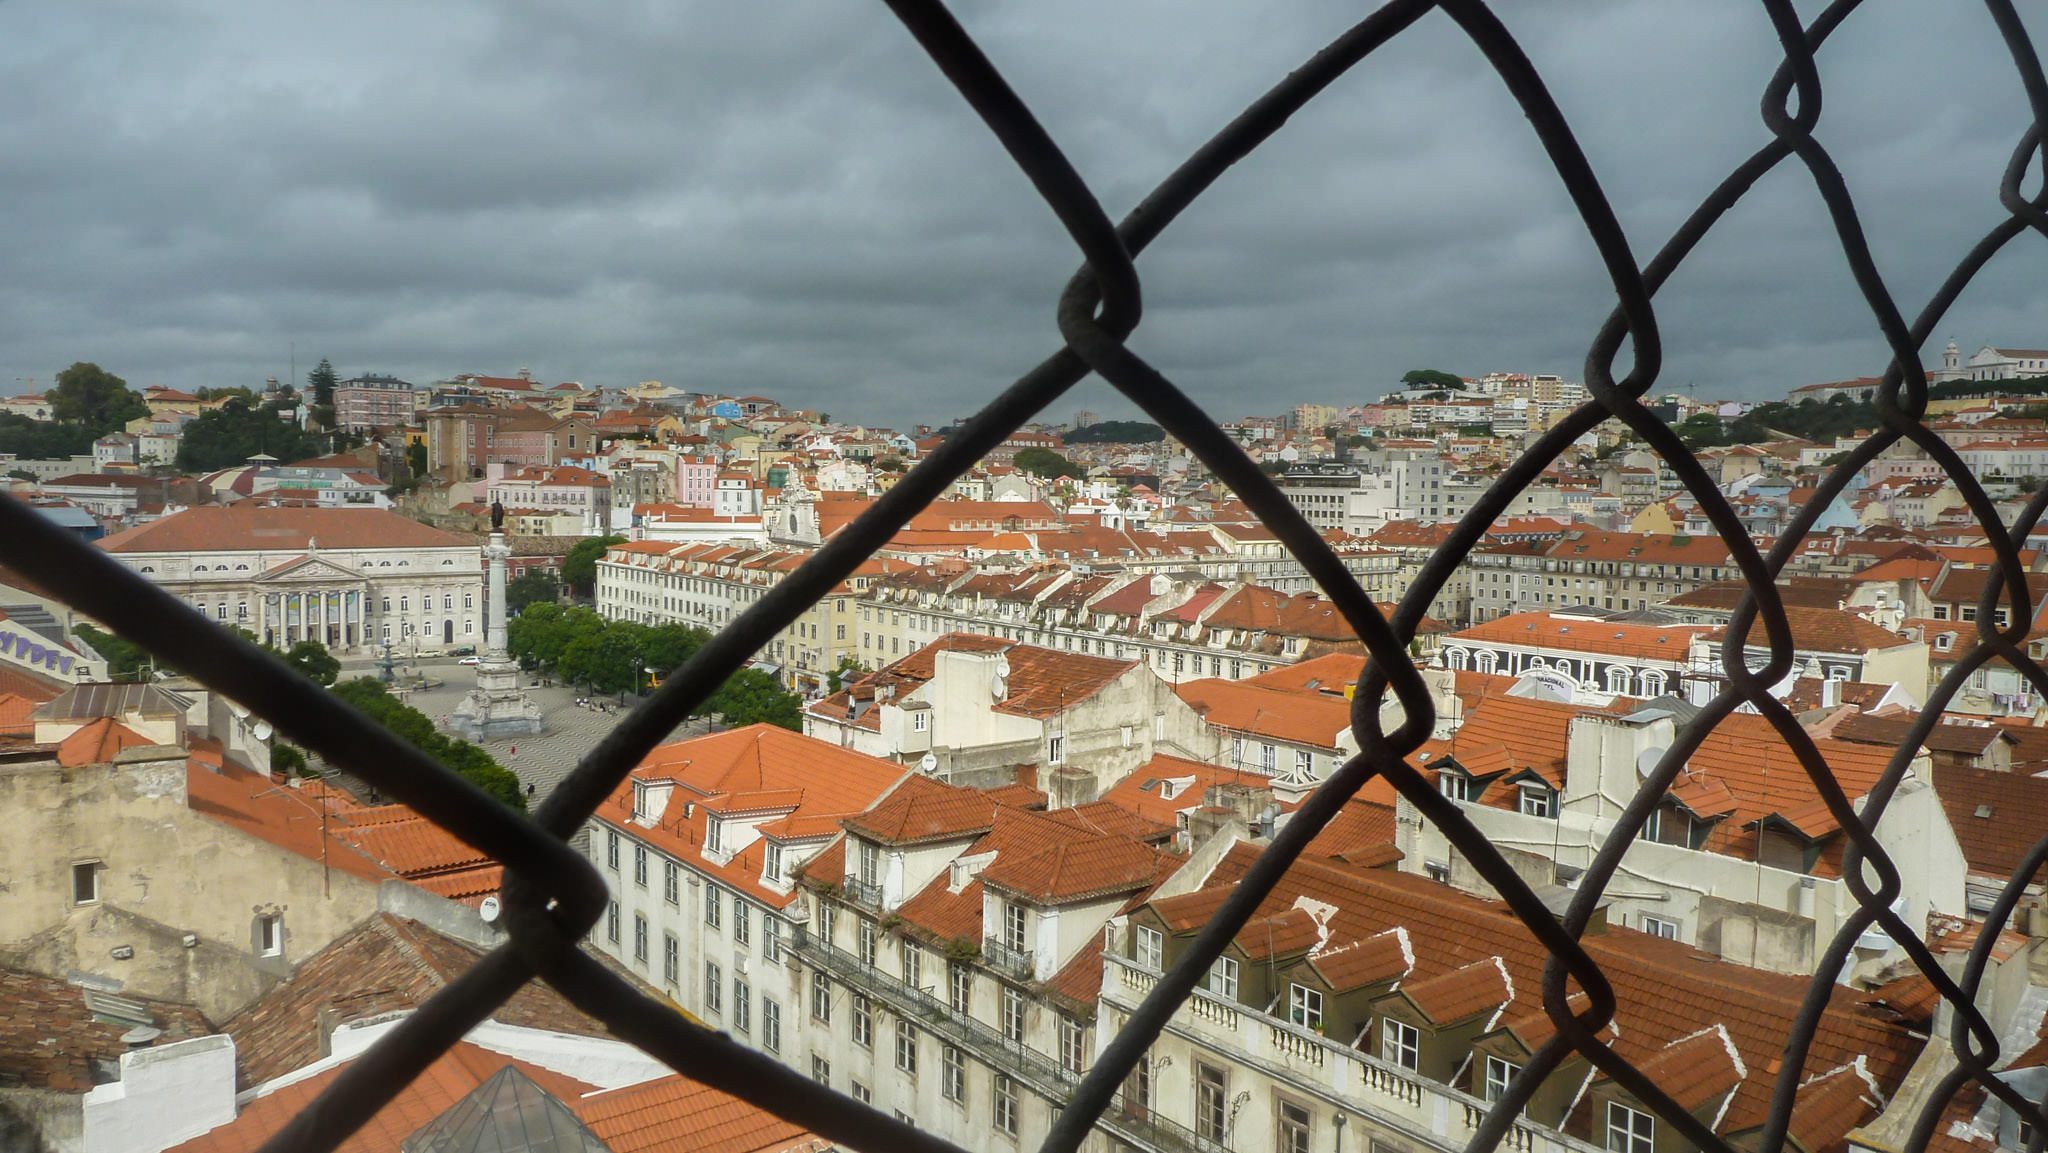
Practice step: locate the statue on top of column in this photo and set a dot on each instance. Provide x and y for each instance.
(497, 515)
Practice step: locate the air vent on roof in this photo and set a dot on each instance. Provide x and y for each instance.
(1984, 810)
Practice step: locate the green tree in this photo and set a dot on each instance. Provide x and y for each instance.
(1117, 432)
(321, 380)
(126, 660)
(533, 587)
(236, 431)
(89, 395)
(847, 669)
(471, 763)
(1701, 430)
(664, 648)
(1432, 378)
(603, 658)
(290, 759)
(889, 464)
(579, 568)
(1044, 462)
(310, 659)
(416, 460)
(43, 440)
(752, 697)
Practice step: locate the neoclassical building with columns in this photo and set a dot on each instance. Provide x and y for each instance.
(350, 578)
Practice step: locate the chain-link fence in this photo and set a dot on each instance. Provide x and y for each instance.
(553, 896)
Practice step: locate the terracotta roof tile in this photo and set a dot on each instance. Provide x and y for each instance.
(1480, 987)
(216, 528)
(49, 1034)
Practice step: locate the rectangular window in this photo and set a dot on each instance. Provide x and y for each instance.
(1006, 1105)
(1305, 1006)
(640, 865)
(672, 883)
(952, 1074)
(1535, 801)
(920, 721)
(913, 964)
(1223, 977)
(1457, 786)
(1211, 1102)
(742, 1006)
(906, 1046)
(714, 988)
(85, 882)
(828, 923)
(1498, 1074)
(1013, 1015)
(771, 937)
(960, 987)
(742, 921)
(1629, 1131)
(1138, 1086)
(1400, 1043)
(1073, 1044)
(714, 906)
(1294, 1127)
(1056, 751)
(270, 935)
(640, 938)
(863, 1020)
(611, 922)
(714, 830)
(821, 998)
(1150, 951)
(611, 849)
(1304, 763)
(866, 936)
(1660, 927)
(860, 1093)
(771, 1026)
(671, 958)
(1013, 926)
(869, 857)
(821, 1071)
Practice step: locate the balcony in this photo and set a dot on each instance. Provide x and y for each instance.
(1044, 1075)
(1434, 1114)
(867, 894)
(1007, 961)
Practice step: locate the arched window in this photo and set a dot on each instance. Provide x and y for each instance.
(1458, 658)
(1617, 679)
(1487, 660)
(1653, 683)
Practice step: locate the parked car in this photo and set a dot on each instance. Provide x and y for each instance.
(470, 661)
(462, 651)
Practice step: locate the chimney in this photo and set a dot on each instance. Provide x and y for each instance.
(1830, 693)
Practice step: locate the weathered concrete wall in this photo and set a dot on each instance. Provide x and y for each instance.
(169, 866)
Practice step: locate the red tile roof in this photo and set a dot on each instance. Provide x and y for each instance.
(219, 528)
(49, 1035)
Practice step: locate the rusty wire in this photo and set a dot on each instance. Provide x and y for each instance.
(553, 896)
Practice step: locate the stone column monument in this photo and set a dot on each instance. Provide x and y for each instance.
(497, 706)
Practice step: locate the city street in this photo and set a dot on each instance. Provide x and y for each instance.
(541, 761)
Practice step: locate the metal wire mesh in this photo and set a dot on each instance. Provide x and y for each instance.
(553, 896)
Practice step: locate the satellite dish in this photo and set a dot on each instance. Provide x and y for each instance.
(262, 731)
(928, 762)
(1646, 761)
(998, 689)
(488, 910)
(1002, 665)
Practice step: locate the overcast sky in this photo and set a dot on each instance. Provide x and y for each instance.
(786, 198)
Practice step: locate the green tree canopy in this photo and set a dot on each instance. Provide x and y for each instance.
(1701, 430)
(533, 587)
(1117, 432)
(236, 431)
(1432, 378)
(579, 568)
(43, 440)
(126, 660)
(310, 659)
(89, 395)
(468, 761)
(752, 697)
(322, 380)
(1044, 462)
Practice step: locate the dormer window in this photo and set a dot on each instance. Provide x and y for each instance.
(1457, 786)
(1537, 801)
(714, 834)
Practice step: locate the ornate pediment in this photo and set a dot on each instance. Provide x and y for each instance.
(308, 569)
